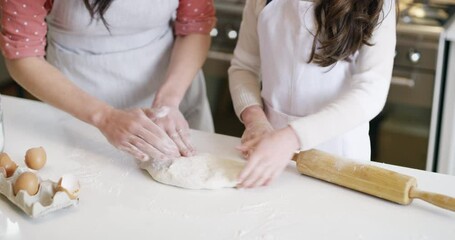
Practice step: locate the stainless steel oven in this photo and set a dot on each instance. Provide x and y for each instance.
(405, 132)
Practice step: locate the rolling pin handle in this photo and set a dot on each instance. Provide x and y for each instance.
(433, 198)
(295, 157)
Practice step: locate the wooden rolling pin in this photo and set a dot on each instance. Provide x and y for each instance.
(368, 179)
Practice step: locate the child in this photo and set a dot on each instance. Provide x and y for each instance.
(309, 74)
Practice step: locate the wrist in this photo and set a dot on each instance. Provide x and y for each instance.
(291, 137)
(98, 118)
(162, 100)
(252, 114)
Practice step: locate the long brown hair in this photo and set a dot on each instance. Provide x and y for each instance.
(97, 9)
(343, 27)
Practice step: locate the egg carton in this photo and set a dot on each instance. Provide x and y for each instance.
(45, 201)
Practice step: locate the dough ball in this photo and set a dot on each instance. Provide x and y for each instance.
(203, 171)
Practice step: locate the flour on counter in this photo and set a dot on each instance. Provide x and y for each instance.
(203, 171)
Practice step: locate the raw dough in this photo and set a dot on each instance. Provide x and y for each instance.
(203, 171)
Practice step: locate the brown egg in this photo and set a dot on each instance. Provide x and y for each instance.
(35, 158)
(8, 164)
(27, 181)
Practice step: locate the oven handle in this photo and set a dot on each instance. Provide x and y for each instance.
(220, 56)
(403, 81)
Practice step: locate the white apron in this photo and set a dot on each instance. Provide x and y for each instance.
(126, 66)
(292, 88)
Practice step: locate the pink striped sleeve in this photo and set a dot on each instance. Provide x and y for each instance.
(23, 27)
(195, 16)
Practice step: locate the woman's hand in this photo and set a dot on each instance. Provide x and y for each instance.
(133, 132)
(269, 158)
(172, 121)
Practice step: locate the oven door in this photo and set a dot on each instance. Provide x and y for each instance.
(216, 77)
(400, 134)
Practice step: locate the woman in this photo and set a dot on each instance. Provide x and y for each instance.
(325, 68)
(116, 65)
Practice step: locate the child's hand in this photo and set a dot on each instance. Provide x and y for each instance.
(269, 158)
(254, 132)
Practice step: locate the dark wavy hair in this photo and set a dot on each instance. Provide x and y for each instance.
(97, 9)
(343, 27)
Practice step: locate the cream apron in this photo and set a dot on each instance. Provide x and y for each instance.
(126, 66)
(292, 88)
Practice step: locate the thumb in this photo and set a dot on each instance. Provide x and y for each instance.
(156, 113)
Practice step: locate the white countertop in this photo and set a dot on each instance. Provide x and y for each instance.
(120, 201)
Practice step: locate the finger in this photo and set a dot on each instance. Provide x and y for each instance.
(164, 132)
(249, 167)
(243, 151)
(252, 135)
(165, 146)
(265, 176)
(268, 181)
(251, 143)
(156, 113)
(275, 173)
(245, 137)
(246, 150)
(148, 112)
(156, 136)
(252, 177)
(145, 147)
(134, 151)
(240, 148)
(184, 151)
(248, 153)
(185, 136)
(272, 177)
